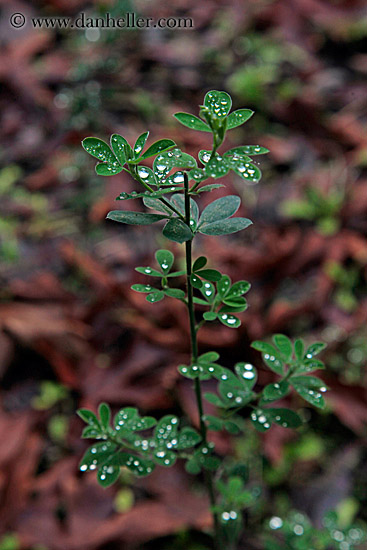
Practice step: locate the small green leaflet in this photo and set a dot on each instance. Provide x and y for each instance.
(99, 149)
(165, 259)
(220, 209)
(225, 227)
(238, 117)
(284, 345)
(176, 230)
(159, 146)
(121, 148)
(218, 103)
(310, 388)
(192, 121)
(134, 218)
(140, 143)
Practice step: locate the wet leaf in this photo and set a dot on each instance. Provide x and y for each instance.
(225, 227)
(135, 218)
(165, 258)
(199, 263)
(220, 209)
(159, 146)
(176, 230)
(284, 345)
(140, 143)
(155, 296)
(192, 121)
(229, 320)
(218, 103)
(238, 117)
(310, 388)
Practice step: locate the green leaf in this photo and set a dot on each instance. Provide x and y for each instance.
(105, 415)
(238, 289)
(198, 175)
(223, 286)
(216, 167)
(208, 357)
(251, 150)
(158, 147)
(194, 371)
(178, 200)
(121, 148)
(210, 274)
(176, 230)
(188, 437)
(247, 373)
(109, 472)
(314, 349)
(147, 176)
(204, 156)
(309, 365)
(213, 423)
(134, 218)
(270, 355)
(225, 227)
(192, 121)
(139, 466)
(229, 320)
(234, 394)
(140, 143)
(148, 271)
(89, 417)
(310, 388)
(92, 432)
(220, 209)
(246, 170)
(285, 418)
(142, 288)
(238, 117)
(209, 187)
(195, 281)
(100, 150)
(156, 204)
(261, 419)
(218, 103)
(275, 391)
(128, 419)
(97, 455)
(155, 296)
(210, 315)
(108, 169)
(284, 345)
(165, 258)
(235, 303)
(199, 263)
(200, 302)
(164, 163)
(208, 291)
(174, 293)
(299, 349)
(214, 400)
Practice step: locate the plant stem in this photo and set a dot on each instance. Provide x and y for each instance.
(194, 357)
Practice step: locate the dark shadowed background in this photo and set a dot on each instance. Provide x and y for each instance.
(72, 332)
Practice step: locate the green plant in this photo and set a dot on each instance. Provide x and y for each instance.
(170, 188)
(317, 206)
(296, 532)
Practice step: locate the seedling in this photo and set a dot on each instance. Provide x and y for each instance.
(169, 190)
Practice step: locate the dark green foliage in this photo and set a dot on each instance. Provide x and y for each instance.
(171, 189)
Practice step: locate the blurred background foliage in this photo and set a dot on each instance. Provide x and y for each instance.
(73, 335)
